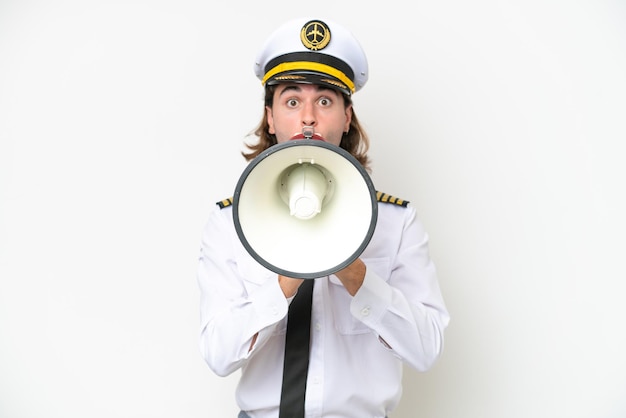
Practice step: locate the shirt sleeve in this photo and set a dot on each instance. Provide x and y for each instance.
(406, 310)
(233, 309)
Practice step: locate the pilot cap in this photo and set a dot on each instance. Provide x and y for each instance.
(313, 51)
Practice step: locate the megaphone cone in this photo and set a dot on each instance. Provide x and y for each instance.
(305, 208)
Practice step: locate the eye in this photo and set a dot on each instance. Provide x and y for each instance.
(292, 103)
(325, 101)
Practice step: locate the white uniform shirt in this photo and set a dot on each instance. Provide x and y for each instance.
(358, 344)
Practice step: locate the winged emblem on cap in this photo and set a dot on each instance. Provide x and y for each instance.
(315, 35)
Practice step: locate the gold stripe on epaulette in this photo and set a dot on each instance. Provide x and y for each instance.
(225, 203)
(387, 198)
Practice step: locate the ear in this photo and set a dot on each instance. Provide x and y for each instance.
(270, 120)
(346, 127)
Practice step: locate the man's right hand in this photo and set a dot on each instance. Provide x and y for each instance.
(288, 285)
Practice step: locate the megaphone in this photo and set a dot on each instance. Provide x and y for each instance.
(305, 208)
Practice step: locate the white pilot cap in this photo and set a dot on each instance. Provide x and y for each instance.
(313, 51)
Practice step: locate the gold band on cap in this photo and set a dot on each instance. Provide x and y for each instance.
(312, 66)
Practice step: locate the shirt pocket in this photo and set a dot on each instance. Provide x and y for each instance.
(252, 274)
(340, 299)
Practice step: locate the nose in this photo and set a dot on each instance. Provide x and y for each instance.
(308, 115)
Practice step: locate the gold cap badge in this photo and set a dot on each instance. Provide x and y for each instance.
(315, 35)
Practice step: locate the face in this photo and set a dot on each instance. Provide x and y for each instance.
(299, 105)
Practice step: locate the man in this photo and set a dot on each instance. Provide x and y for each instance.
(383, 310)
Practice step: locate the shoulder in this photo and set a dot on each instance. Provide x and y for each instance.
(387, 198)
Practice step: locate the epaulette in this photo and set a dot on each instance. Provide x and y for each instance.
(225, 203)
(387, 198)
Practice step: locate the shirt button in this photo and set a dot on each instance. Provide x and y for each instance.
(365, 311)
(318, 326)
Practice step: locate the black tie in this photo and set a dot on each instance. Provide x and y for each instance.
(296, 363)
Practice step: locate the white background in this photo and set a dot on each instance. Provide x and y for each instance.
(121, 124)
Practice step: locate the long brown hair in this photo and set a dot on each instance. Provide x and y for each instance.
(355, 141)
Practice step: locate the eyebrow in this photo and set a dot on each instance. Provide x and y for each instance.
(296, 87)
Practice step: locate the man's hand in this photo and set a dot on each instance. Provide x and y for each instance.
(352, 276)
(288, 285)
